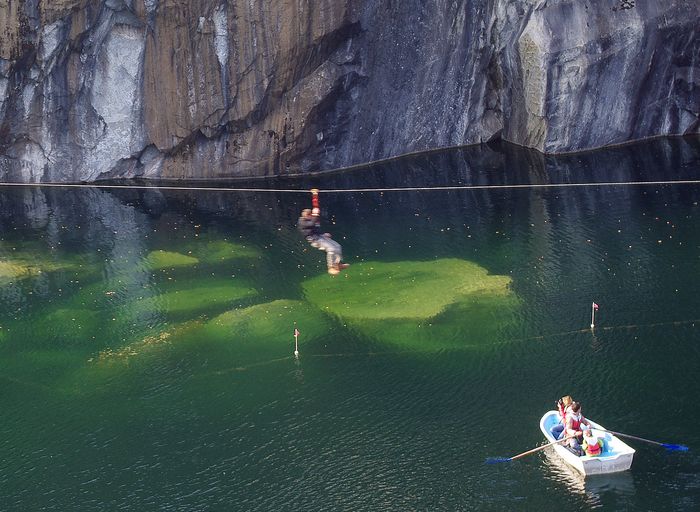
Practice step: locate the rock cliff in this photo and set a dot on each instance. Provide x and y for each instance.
(215, 88)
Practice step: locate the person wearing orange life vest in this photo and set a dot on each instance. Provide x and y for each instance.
(592, 445)
(574, 428)
(309, 224)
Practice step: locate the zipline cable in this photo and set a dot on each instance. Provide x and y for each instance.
(358, 190)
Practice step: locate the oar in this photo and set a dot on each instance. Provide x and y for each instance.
(669, 447)
(496, 460)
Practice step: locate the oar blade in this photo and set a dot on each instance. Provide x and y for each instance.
(675, 447)
(496, 460)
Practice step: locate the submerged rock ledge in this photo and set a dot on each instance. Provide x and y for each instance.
(214, 88)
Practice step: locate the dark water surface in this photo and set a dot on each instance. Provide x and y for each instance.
(146, 349)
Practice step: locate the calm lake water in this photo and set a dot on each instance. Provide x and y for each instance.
(146, 348)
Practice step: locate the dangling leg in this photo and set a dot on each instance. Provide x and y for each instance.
(332, 260)
(337, 253)
(334, 252)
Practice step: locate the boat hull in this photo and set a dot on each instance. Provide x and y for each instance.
(617, 456)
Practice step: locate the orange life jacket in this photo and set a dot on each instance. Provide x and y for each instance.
(575, 423)
(592, 449)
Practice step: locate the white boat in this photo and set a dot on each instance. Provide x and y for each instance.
(616, 455)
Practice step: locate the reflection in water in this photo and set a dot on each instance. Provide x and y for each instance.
(298, 371)
(592, 488)
(596, 345)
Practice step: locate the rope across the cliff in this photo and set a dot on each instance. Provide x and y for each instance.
(356, 190)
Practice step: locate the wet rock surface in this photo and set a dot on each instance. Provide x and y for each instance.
(217, 89)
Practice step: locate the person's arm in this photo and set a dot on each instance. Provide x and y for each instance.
(315, 204)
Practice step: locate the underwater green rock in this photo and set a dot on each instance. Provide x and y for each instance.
(157, 260)
(411, 303)
(191, 300)
(234, 340)
(217, 251)
(66, 326)
(267, 325)
(12, 270)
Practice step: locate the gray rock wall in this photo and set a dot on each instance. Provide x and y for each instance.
(588, 74)
(214, 88)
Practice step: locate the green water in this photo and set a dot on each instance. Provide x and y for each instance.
(146, 348)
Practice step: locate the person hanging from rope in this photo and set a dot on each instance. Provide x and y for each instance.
(310, 226)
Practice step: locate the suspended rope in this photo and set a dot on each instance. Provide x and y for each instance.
(358, 190)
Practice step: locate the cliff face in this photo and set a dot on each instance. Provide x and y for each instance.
(214, 88)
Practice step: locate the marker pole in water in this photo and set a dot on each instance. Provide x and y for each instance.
(296, 340)
(594, 308)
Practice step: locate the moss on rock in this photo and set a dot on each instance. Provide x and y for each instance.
(190, 301)
(411, 303)
(157, 260)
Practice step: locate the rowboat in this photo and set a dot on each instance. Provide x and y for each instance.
(616, 456)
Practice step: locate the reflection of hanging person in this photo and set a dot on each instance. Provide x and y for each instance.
(310, 225)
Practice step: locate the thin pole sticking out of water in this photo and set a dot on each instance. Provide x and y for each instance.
(594, 308)
(296, 341)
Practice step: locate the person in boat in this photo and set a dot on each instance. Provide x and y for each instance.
(574, 428)
(309, 224)
(592, 445)
(563, 405)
